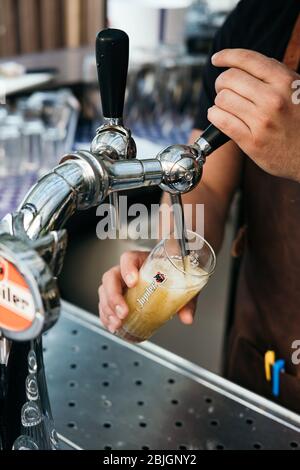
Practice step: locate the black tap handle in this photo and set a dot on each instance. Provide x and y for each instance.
(214, 137)
(112, 52)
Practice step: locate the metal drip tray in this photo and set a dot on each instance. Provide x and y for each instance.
(108, 394)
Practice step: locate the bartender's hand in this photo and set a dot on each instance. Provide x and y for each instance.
(112, 306)
(254, 108)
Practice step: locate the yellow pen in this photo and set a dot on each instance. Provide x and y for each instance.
(269, 361)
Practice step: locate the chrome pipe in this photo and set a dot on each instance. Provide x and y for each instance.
(132, 174)
(55, 197)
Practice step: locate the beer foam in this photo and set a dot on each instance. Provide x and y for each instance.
(174, 275)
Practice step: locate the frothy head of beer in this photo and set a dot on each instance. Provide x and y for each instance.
(168, 273)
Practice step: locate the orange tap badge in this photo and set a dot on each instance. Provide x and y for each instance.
(17, 310)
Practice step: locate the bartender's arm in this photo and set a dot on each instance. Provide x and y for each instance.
(220, 180)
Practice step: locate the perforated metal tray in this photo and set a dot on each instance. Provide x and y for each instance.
(108, 394)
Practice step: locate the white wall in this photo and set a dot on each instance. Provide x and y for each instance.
(141, 19)
(222, 4)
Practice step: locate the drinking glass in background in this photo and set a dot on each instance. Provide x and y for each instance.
(10, 150)
(10, 142)
(38, 133)
(166, 283)
(162, 97)
(32, 151)
(53, 148)
(58, 111)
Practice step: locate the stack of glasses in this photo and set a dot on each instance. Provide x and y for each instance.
(39, 131)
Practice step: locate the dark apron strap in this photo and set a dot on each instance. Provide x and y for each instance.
(292, 60)
(292, 53)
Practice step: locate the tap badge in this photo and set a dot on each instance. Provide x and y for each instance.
(17, 310)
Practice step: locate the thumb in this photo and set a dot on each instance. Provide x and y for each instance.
(187, 313)
(130, 264)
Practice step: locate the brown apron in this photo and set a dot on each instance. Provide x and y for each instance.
(267, 305)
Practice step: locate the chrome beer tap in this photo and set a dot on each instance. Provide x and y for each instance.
(112, 137)
(33, 241)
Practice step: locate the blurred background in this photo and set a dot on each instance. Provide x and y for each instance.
(50, 104)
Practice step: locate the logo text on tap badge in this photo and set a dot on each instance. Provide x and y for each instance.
(17, 310)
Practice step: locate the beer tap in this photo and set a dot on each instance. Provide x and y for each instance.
(33, 241)
(112, 55)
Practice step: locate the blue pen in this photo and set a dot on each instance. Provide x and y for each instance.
(278, 367)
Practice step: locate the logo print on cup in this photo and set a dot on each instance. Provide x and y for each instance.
(159, 277)
(2, 272)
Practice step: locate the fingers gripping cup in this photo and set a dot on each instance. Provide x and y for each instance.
(166, 283)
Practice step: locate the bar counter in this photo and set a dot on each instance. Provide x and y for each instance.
(109, 394)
